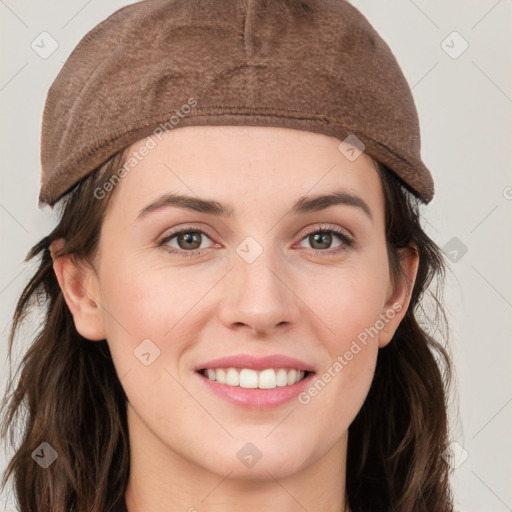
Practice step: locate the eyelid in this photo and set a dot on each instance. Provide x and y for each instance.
(347, 238)
(186, 227)
(328, 227)
(308, 231)
(344, 234)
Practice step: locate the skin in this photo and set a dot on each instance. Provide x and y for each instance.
(184, 439)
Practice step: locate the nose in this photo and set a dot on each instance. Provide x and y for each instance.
(259, 296)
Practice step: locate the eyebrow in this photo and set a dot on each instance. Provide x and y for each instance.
(305, 204)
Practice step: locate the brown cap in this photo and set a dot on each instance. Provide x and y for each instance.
(315, 65)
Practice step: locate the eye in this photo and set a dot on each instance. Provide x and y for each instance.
(323, 237)
(186, 238)
(189, 240)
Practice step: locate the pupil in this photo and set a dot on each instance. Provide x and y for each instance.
(188, 237)
(321, 235)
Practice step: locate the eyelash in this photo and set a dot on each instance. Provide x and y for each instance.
(347, 241)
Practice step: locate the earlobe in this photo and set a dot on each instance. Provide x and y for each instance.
(79, 288)
(399, 297)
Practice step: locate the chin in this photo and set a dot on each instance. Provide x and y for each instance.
(259, 459)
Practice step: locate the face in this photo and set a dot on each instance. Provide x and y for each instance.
(175, 288)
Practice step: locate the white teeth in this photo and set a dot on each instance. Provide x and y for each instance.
(232, 377)
(247, 378)
(281, 377)
(267, 379)
(220, 375)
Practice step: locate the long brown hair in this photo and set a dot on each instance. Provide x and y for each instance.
(74, 400)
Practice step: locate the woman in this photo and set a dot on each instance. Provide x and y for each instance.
(233, 290)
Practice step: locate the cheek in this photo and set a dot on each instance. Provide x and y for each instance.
(141, 306)
(349, 306)
(340, 388)
(348, 300)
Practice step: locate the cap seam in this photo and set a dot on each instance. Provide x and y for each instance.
(58, 172)
(282, 113)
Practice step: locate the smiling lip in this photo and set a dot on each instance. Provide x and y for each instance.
(256, 363)
(255, 398)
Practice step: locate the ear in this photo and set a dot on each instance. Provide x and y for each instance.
(79, 285)
(398, 297)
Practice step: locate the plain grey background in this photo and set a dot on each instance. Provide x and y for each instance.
(464, 101)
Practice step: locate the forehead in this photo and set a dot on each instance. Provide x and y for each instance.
(242, 166)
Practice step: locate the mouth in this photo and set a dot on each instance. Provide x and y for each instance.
(260, 390)
(268, 378)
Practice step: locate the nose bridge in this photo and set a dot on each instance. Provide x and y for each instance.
(259, 295)
(258, 264)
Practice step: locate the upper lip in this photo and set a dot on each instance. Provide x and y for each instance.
(256, 363)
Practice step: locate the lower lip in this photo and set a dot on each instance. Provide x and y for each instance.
(256, 398)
